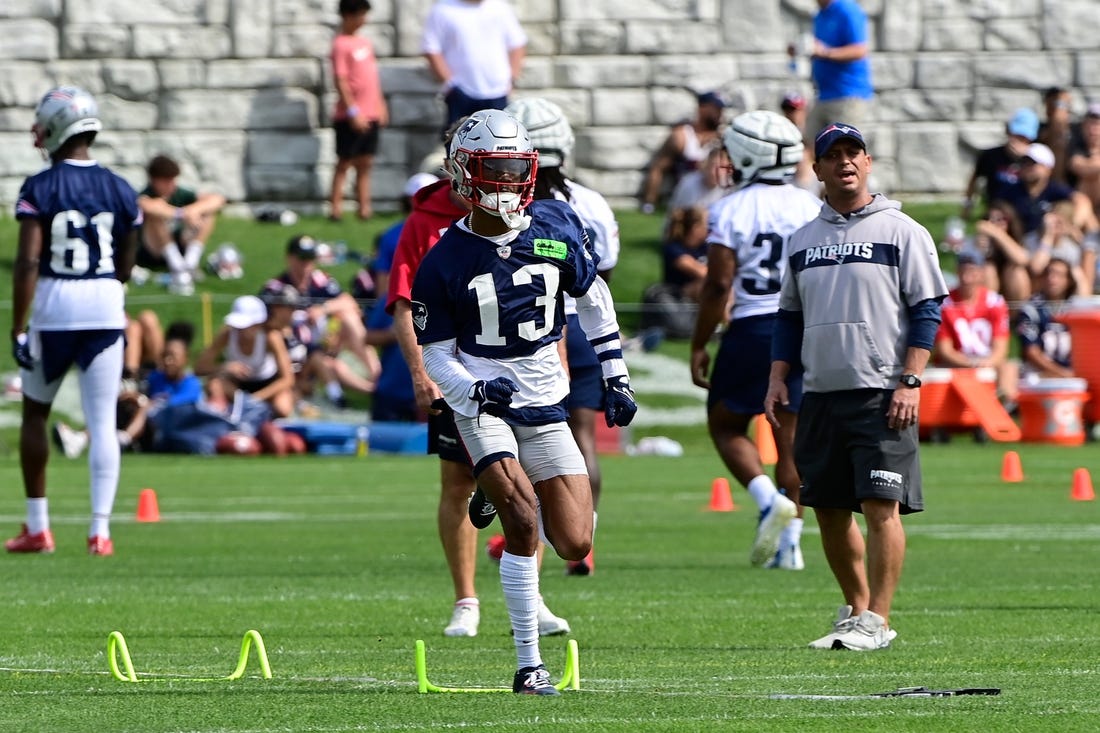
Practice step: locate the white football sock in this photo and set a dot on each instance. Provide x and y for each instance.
(762, 491)
(792, 533)
(101, 526)
(519, 579)
(193, 254)
(38, 516)
(175, 260)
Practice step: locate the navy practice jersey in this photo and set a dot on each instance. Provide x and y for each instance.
(503, 301)
(85, 210)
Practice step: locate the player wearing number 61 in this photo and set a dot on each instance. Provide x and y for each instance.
(487, 306)
(76, 246)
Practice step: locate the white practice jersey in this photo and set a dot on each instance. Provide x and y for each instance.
(756, 222)
(600, 225)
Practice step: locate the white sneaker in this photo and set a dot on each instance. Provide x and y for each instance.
(789, 557)
(869, 632)
(71, 442)
(549, 624)
(181, 284)
(844, 622)
(772, 522)
(464, 620)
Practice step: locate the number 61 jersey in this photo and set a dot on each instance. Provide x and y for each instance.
(500, 298)
(85, 210)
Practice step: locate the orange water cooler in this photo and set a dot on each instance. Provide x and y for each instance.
(1051, 411)
(1084, 328)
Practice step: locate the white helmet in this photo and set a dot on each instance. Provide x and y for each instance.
(492, 165)
(763, 146)
(550, 131)
(62, 113)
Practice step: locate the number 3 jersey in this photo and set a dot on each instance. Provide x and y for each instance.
(755, 222)
(501, 300)
(85, 211)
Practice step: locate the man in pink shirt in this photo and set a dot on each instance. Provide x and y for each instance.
(360, 108)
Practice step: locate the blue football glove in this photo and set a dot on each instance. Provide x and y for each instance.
(619, 405)
(21, 351)
(493, 396)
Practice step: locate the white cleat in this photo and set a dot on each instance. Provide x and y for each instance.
(869, 632)
(773, 521)
(464, 620)
(549, 624)
(789, 557)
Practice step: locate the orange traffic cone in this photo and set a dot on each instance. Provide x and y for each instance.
(1012, 472)
(765, 441)
(721, 500)
(147, 510)
(1082, 486)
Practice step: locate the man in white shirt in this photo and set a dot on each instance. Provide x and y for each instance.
(475, 48)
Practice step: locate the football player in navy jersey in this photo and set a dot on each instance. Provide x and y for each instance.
(552, 136)
(77, 242)
(488, 311)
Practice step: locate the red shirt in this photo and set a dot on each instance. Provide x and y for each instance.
(972, 326)
(433, 212)
(354, 61)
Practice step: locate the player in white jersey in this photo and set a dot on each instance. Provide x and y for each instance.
(552, 136)
(486, 306)
(77, 241)
(746, 257)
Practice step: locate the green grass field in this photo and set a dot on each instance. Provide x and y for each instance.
(336, 562)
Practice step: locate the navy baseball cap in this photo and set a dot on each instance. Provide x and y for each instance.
(833, 132)
(969, 257)
(711, 98)
(303, 247)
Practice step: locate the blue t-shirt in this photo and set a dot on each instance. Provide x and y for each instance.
(842, 23)
(1032, 210)
(673, 251)
(187, 390)
(387, 246)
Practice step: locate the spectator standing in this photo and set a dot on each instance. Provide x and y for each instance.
(177, 223)
(475, 48)
(434, 208)
(997, 169)
(360, 108)
(841, 67)
(488, 316)
(859, 308)
(684, 149)
(67, 309)
(746, 259)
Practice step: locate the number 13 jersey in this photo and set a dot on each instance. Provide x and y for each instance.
(500, 298)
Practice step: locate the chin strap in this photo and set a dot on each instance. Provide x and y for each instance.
(515, 220)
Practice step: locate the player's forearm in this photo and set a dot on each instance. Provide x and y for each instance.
(208, 203)
(157, 208)
(453, 379)
(596, 312)
(406, 340)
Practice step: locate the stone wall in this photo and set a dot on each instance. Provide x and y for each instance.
(240, 90)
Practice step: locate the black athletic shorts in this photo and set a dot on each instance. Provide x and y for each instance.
(350, 143)
(444, 440)
(846, 453)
